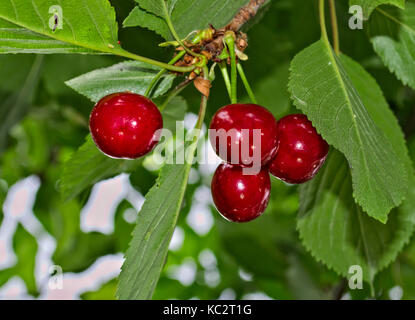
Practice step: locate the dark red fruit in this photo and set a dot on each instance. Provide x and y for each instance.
(240, 197)
(124, 125)
(233, 119)
(301, 151)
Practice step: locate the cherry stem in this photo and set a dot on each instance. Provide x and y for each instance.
(334, 26)
(163, 65)
(226, 79)
(179, 88)
(230, 42)
(246, 83)
(161, 72)
(202, 110)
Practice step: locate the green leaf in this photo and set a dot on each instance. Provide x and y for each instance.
(392, 33)
(86, 23)
(151, 237)
(321, 87)
(156, 6)
(15, 106)
(369, 5)
(139, 17)
(88, 165)
(346, 235)
(133, 76)
(16, 39)
(187, 16)
(173, 112)
(337, 232)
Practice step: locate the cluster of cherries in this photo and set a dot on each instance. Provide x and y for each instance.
(126, 125)
(291, 150)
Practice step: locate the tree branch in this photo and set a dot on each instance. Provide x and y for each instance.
(246, 13)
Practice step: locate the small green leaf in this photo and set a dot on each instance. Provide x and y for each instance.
(321, 87)
(392, 34)
(369, 5)
(133, 76)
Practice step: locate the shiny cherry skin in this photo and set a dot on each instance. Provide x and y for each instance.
(301, 151)
(240, 197)
(233, 119)
(124, 125)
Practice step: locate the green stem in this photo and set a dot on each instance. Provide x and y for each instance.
(230, 42)
(226, 79)
(323, 21)
(335, 27)
(246, 83)
(161, 72)
(133, 56)
(179, 88)
(202, 111)
(174, 33)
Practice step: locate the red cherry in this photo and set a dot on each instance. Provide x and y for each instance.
(240, 197)
(233, 119)
(301, 151)
(124, 125)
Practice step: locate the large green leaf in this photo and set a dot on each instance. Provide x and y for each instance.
(369, 5)
(133, 76)
(346, 235)
(336, 230)
(16, 39)
(392, 33)
(145, 258)
(321, 87)
(86, 23)
(187, 15)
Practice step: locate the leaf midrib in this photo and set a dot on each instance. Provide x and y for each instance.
(344, 89)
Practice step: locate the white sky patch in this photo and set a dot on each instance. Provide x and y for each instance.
(256, 296)
(211, 159)
(227, 294)
(18, 208)
(14, 289)
(74, 284)
(246, 276)
(177, 239)
(184, 273)
(396, 293)
(99, 212)
(207, 259)
(200, 219)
